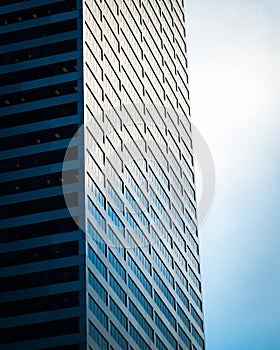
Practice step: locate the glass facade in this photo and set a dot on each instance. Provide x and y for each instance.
(122, 270)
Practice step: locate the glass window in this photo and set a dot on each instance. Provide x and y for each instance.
(137, 337)
(159, 188)
(97, 286)
(96, 214)
(117, 244)
(118, 313)
(197, 337)
(159, 344)
(135, 187)
(116, 198)
(117, 289)
(164, 309)
(194, 278)
(97, 238)
(165, 331)
(98, 337)
(118, 337)
(140, 296)
(132, 222)
(137, 209)
(140, 275)
(117, 265)
(163, 268)
(181, 276)
(182, 296)
(97, 262)
(141, 320)
(115, 218)
(184, 337)
(98, 312)
(164, 289)
(195, 298)
(183, 316)
(197, 318)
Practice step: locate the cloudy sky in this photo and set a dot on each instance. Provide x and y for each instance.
(234, 60)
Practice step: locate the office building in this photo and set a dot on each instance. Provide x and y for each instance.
(99, 248)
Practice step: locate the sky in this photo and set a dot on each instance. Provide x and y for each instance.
(234, 67)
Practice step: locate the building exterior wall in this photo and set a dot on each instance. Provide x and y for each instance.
(117, 72)
(42, 260)
(142, 244)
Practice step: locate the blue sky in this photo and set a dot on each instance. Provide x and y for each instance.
(234, 59)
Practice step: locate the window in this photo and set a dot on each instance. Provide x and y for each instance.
(163, 268)
(197, 318)
(41, 253)
(41, 278)
(136, 188)
(195, 298)
(117, 288)
(138, 339)
(164, 289)
(117, 265)
(97, 238)
(96, 214)
(136, 208)
(193, 260)
(118, 313)
(165, 331)
(118, 337)
(115, 197)
(41, 30)
(39, 304)
(117, 245)
(194, 278)
(96, 191)
(40, 93)
(93, 257)
(140, 296)
(98, 337)
(141, 256)
(132, 222)
(38, 136)
(159, 188)
(159, 344)
(115, 218)
(160, 207)
(43, 228)
(98, 312)
(161, 247)
(182, 296)
(40, 114)
(141, 320)
(38, 205)
(179, 255)
(183, 316)
(181, 276)
(136, 269)
(164, 309)
(184, 337)
(45, 50)
(197, 337)
(40, 330)
(97, 286)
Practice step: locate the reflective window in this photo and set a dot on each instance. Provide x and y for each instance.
(98, 312)
(118, 313)
(98, 337)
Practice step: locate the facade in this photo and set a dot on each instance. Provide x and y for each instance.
(98, 230)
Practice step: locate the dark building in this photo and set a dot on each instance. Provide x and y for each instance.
(42, 261)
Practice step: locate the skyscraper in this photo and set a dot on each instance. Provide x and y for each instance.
(98, 232)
